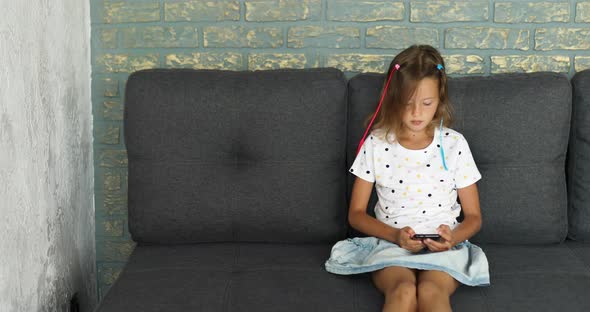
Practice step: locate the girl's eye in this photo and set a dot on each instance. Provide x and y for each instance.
(427, 103)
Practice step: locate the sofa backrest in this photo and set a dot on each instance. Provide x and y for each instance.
(579, 160)
(517, 126)
(236, 156)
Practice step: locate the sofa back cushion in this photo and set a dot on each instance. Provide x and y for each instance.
(517, 127)
(236, 156)
(579, 160)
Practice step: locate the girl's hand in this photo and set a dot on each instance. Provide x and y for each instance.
(444, 243)
(405, 240)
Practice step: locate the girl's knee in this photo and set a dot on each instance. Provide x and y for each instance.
(403, 291)
(429, 289)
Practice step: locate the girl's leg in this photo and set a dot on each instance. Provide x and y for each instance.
(434, 290)
(398, 285)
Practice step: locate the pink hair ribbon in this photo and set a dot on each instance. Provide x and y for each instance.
(395, 68)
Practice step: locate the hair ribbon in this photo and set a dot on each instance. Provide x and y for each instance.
(442, 152)
(395, 68)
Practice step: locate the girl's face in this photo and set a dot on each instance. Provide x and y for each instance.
(421, 107)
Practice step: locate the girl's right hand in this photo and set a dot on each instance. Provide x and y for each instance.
(405, 240)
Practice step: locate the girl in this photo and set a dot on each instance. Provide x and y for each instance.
(419, 166)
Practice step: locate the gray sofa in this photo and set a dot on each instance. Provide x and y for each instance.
(238, 189)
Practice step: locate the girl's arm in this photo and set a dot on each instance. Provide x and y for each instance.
(471, 222)
(472, 214)
(361, 221)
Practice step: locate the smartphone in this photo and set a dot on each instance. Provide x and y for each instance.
(424, 236)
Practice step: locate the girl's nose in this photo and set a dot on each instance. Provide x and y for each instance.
(415, 109)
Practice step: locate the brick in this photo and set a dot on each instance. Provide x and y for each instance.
(211, 60)
(282, 10)
(160, 37)
(487, 38)
(365, 11)
(201, 10)
(323, 37)
(531, 12)
(562, 38)
(128, 12)
(242, 37)
(113, 203)
(583, 12)
(111, 87)
(111, 228)
(530, 63)
(464, 64)
(125, 178)
(112, 110)
(107, 134)
(106, 87)
(108, 38)
(448, 11)
(125, 63)
(115, 251)
(108, 273)
(313, 59)
(397, 37)
(581, 63)
(262, 61)
(112, 158)
(112, 180)
(360, 62)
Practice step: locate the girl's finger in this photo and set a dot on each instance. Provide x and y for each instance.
(445, 232)
(444, 228)
(431, 248)
(436, 245)
(446, 235)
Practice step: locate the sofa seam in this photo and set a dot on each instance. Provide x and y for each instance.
(520, 165)
(226, 296)
(235, 162)
(485, 299)
(227, 291)
(354, 296)
(571, 156)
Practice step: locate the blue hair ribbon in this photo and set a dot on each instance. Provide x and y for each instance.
(442, 152)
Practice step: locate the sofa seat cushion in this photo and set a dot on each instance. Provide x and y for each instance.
(291, 277)
(229, 277)
(536, 278)
(581, 250)
(523, 278)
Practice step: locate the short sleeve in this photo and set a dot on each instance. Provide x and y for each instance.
(363, 166)
(466, 172)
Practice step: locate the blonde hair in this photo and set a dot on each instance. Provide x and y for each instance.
(415, 63)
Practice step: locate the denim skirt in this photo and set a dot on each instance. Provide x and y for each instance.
(465, 262)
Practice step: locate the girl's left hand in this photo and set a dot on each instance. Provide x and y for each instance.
(444, 243)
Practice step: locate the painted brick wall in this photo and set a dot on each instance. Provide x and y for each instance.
(477, 37)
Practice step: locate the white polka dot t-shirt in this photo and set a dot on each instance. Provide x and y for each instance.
(413, 187)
